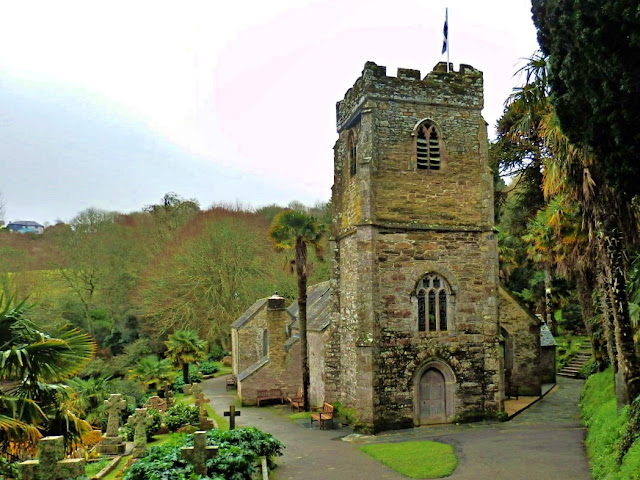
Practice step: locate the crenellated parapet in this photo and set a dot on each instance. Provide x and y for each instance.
(460, 89)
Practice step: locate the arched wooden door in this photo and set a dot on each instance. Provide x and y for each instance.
(432, 397)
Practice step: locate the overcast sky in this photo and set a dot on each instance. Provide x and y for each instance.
(111, 104)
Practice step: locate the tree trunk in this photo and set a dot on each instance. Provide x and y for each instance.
(185, 373)
(548, 305)
(607, 323)
(614, 264)
(301, 271)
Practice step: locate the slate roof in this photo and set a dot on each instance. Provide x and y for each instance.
(249, 313)
(318, 317)
(546, 337)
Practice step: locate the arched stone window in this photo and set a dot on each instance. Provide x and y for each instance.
(434, 304)
(352, 151)
(428, 147)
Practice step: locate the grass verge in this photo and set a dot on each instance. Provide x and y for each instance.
(94, 467)
(606, 427)
(415, 459)
(300, 416)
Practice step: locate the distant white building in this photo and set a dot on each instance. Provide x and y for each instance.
(25, 226)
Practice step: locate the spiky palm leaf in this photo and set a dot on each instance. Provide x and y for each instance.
(183, 348)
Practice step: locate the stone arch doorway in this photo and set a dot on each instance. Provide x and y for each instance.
(434, 387)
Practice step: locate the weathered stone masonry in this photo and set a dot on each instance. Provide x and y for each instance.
(392, 225)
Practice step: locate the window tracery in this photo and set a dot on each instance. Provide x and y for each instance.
(434, 303)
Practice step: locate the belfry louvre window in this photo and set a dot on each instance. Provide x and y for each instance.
(428, 148)
(433, 304)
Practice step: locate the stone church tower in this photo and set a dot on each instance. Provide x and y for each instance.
(414, 337)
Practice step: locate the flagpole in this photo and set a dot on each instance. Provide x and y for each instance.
(446, 15)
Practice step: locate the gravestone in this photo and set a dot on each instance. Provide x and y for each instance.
(51, 464)
(200, 401)
(232, 414)
(157, 403)
(139, 421)
(199, 453)
(170, 398)
(112, 443)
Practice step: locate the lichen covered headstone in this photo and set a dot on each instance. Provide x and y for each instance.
(199, 453)
(112, 443)
(51, 464)
(170, 398)
(200, 401)
(156, 403)
(139, 421)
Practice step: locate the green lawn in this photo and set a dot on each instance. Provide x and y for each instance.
(415, 459)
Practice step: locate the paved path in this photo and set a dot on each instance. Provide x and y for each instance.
(545, 442)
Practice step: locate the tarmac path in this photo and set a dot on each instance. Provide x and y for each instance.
(544, 442)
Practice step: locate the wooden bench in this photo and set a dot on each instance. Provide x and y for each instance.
(270, 394)
(323, 415)
(297, 401)
(232, 382)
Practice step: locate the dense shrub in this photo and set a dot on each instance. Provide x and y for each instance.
(194, 375)
(8, 469)
(208, 368)
(151, 430)
(128, 388)
(216, 353)
(238, 456)
(181, 414)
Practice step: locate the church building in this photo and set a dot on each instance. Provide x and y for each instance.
(413, 327)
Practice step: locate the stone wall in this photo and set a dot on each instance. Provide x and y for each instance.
(248, 349)
(281, 367)
(317, 342)
(548, 364)
(523, 336)
(288, 378)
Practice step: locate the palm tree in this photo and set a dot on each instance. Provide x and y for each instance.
(292, 229)
(35, 362)
(153, 372)
(612, 220)
(183, 348)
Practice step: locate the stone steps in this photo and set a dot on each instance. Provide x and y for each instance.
(573, 367)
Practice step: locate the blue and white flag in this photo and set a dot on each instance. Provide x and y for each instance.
(445, 42)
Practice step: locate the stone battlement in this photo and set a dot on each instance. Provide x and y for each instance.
(461, 89)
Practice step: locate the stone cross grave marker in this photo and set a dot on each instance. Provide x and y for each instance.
(200, 400)
(196, 390)
(157, 403)
(199, 453)
(51, 464)
(112, 443)
(232, 414)
(139, 421)
(113, 406)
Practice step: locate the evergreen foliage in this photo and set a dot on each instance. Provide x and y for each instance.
(594, 66)
(238, 456)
